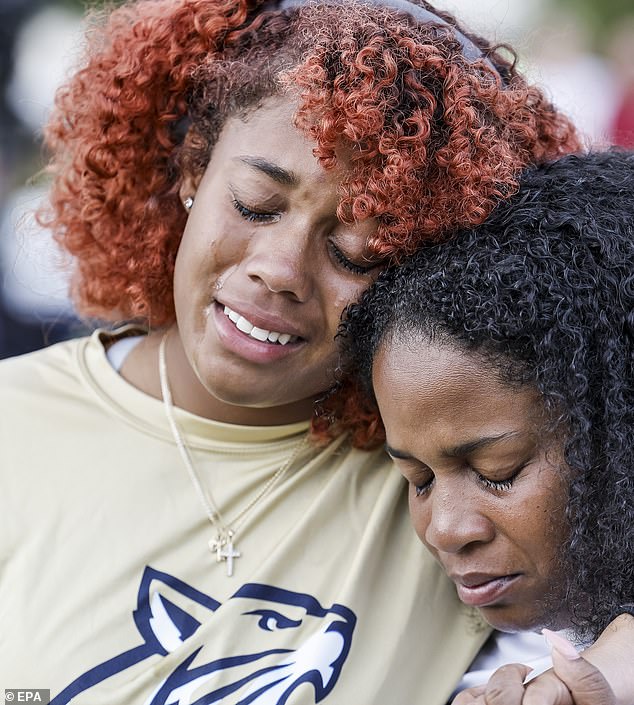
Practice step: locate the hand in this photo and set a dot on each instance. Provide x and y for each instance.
(570, 682)
(505, 687)
(602, 676)
(613, 655)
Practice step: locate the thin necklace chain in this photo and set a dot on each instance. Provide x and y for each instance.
(223, 544)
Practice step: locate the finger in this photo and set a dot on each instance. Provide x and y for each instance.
(547, 689)
(612, 653)
(506, 685)
(470, 696)
(585, 681)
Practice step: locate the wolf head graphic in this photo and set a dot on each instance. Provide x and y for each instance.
(280, 641)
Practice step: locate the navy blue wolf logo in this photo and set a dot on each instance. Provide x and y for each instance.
(266, 677)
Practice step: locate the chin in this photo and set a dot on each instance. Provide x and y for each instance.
(541, 606)
(513, 619)
(512, 625)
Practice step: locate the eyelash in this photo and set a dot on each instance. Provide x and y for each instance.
(347, 264)
(498, 485)
(254, 216)
(251, 215)
(420, 490)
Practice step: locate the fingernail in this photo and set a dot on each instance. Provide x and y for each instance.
(561, 645)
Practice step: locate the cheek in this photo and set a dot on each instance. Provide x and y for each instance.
(207, 258)
(229, 248)
(339, 292)
(319, 371)
(555, 524)
(419, 515)
(540, 523)
(194, 254)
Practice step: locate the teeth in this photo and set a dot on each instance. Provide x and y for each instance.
(244, 325)
(258, 333)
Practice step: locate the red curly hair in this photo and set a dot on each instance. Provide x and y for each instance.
(436, 140)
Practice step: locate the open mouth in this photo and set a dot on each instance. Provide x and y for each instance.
(264, 336)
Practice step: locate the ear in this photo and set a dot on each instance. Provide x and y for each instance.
(191, 173)
(188, 187)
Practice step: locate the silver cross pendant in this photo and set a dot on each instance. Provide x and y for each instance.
(224, 549)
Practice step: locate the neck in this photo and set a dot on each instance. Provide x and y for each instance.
(141, 370)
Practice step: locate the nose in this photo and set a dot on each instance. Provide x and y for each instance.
(281, 260)
(451, 521)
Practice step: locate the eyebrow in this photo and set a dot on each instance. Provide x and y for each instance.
(275, 172)
(459, 450)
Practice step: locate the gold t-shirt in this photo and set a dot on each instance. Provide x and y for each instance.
(110, 595)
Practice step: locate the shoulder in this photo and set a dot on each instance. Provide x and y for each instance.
(354, 460)
(58, 369)
(29, 372)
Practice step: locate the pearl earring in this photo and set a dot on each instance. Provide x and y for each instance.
(188, 203)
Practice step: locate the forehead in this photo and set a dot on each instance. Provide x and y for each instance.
(268, 132)
(415, 364)
(424, 385)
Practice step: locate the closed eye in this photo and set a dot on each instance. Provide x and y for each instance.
(500, 485)
(422, 489)
(421, 479)
(348, 264)
(271, 620)
(253, 215)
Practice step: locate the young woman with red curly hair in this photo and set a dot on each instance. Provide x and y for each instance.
(229, 177)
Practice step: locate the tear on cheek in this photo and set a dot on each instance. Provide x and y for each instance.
(223, 278)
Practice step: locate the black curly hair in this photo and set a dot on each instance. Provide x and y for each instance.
(543, 291)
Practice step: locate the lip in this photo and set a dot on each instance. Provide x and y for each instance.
(484, 590)
(244, 345)
(262, 319)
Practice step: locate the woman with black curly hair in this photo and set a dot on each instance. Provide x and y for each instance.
(229, 176)
(502, 364)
